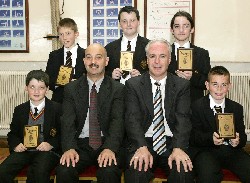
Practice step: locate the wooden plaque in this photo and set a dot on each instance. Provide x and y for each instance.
(65, 75)
(185, 59)
(126, 60)
(31, 136)
(225, 125)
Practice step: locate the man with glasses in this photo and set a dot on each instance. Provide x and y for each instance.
(182, 26)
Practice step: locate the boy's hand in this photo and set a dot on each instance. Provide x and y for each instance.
(106, 157)
(117, 73)
(236, 141)
(20, 148)
(184, 74)
(217, 140)
(44, 146)
(69, 156)
(134, 73)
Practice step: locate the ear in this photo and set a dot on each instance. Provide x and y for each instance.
(107, 61)
(207, 85)
(192, 30)
(230, 86)
(76, 34)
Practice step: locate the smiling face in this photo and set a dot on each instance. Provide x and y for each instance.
(129, 24)
(218, 86)
(67, 36)
(158, 59)
(36, 91)
(181, 29)
(95, 61)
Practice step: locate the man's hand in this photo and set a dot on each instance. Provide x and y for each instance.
(134, 73)
(70, 155)
(142, 155)
(179, 156)
(106, 157)
(44, 146)
(117, 73)
(184, 74)
(236, 141)
(217, 140)
(20, 148)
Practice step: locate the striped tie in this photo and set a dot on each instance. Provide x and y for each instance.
(95, 140)
(159, 139)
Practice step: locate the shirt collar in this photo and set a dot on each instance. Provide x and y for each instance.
(162, 82)
(133, 41)
(97, 84)
(73, 50)
(212, 103)
(39, 107)
(186, 45)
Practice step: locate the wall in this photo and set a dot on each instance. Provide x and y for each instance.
(221, 27)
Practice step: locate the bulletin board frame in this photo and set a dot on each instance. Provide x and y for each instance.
(102, 20)
(158, 15)
(14, 25)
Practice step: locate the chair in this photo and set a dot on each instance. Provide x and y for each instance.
(22, 175)
(228, 176)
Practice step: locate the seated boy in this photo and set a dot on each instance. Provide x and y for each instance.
(211, 153)
(40, 154)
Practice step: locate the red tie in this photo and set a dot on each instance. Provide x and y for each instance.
(95, 140)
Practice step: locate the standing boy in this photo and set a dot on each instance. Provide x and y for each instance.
(70, 56)
(129, 20)
(182, 26)
(212, 153)
(40, 111)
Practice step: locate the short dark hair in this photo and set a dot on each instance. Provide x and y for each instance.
(182, 14)
(68, 22)
(218, 70)
(38, 75)
(129, 9)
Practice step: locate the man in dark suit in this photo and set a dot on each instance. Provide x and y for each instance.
(77, 122)
(40, 111)
(68, 32)
(210, 152)
(153, 142)
(129, 20)
(182, 26)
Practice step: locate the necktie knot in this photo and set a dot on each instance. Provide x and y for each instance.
(129, 46)
(158, 85)
(69, 53)
(218, 109)
(36, 111)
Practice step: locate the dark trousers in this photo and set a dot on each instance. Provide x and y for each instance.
(161, 161)
(88, 157)
(208, 164)
(40, 165)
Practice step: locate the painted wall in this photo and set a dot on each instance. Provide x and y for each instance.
(221, 27)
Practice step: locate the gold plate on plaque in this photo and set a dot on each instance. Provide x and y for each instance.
(185, 59)
(225, 125)
(31, 136)
(65, 75)
(126, 60)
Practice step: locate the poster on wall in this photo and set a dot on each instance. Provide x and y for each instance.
(14, 26)
(103, 24)
(158, 15)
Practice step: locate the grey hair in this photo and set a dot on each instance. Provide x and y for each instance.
(161, 40)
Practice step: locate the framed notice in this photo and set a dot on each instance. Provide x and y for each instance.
(103, 24)
(158, 15)
(14, 26)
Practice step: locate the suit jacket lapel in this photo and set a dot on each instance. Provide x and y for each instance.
(47, 117)
(146, 90)
(209, 114)
(79, 62)
(61, 56)
(170, 92)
